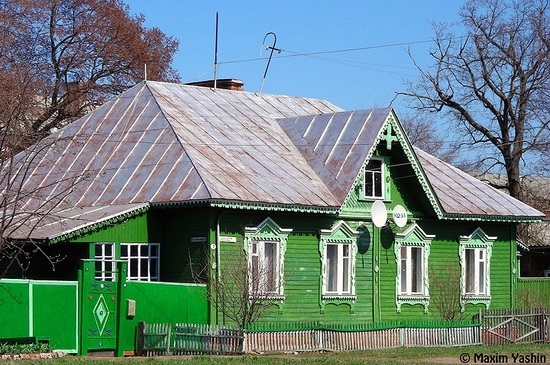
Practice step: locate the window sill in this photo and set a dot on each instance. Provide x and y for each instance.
(336, 297)
(267, 297)
(405, 297)
(474, 297)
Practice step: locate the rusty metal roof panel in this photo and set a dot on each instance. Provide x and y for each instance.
(239, 151)
(462, 194)
(337, 144)
(69, 220)
(162, 142)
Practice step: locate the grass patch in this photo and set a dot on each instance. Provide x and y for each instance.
(410, 356)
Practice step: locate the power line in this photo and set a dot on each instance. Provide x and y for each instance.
(309, 54)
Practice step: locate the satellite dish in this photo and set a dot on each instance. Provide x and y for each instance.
(399, 216)
(379, 214)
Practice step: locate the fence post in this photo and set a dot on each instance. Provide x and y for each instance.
(140, 338)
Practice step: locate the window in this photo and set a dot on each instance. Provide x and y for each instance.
(143, 260)
(412, 250)
(412, 271)
(264, 267)
(265, 246)
(338, 269)
(475, 260)
(475, 283)
(105, 261)
(374, 178)
(338, 248)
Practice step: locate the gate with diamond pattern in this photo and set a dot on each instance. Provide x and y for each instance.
(100, 293)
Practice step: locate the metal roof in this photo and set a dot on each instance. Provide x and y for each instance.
(461, 194)
(161, 143)
(336, 145)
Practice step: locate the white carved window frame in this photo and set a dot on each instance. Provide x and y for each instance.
(413, 236)
(480, 244)
(267, 231)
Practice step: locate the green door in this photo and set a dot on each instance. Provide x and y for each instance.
(100, 296)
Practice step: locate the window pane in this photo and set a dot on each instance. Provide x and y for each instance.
(481, 289)
(470, 270)
(378, 184)
(255, 274)
(332, 268)
(373, 179)
(345, 273)
(270, 251)
(403, 262)
(416, 269)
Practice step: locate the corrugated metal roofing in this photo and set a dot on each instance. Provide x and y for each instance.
(169, 143)
(462, 194)
(163, 143)
(336, 145)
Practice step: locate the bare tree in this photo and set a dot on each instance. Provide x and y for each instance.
(445, 290)
(422, 133)
(239, 291)
(493, 82)
(65, 57)
(26, 206)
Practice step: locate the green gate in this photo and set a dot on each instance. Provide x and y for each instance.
(102, 283)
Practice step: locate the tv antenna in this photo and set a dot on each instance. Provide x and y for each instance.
(272, 48)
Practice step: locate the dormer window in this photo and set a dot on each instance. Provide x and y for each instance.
(374, 179)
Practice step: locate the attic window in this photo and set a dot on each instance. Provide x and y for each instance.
(374, 179)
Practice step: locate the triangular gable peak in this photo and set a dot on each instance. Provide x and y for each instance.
(391, 135)
(477, 238)
(340, 232)
(268, 228)
(414, 234)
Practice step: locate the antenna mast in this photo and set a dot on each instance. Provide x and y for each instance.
(216, 55)
(272, 48)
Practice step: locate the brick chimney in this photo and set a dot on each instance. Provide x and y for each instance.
(229, 84)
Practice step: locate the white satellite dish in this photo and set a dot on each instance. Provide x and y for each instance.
(379, 214)
(399, 216)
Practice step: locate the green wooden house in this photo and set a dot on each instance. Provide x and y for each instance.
(341, 219)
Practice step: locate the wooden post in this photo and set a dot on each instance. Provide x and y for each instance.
(140, 338)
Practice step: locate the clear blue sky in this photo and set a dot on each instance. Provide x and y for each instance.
(375, 33)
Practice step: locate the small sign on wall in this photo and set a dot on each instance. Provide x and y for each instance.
(228, 239)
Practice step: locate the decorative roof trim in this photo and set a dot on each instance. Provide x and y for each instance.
(86, 229)
(489, 218)
(231, 204)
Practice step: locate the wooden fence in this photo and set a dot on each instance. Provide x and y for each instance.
(268, 338)
(164, 339)
(518, 325)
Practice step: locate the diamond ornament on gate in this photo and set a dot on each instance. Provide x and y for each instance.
(101, 314)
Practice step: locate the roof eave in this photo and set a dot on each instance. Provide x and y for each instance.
(491, 218)
(233, 204)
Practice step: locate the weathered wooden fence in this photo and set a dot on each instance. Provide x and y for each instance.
(207, 339)
(167, 339)
(162, 339)
(518, 325)
(303, 336)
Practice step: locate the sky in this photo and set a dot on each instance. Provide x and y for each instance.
(352, 53)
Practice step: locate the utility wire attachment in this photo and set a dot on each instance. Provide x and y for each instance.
(272, 48)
